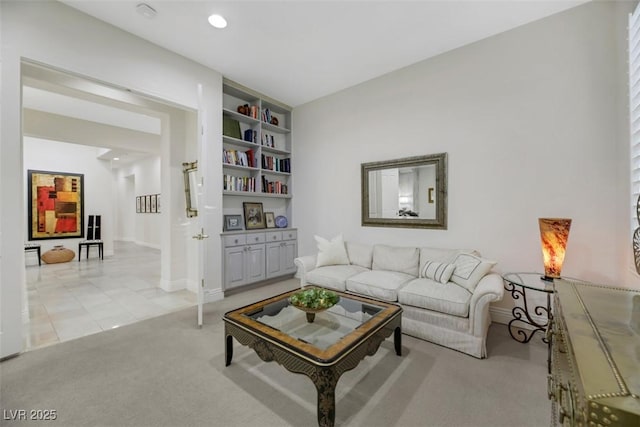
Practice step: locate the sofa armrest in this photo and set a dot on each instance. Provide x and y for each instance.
(305, 264)
(489, 289)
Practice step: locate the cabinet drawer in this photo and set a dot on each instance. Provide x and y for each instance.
(289, 235)
(255, 238)
(235, 240)
(274, 236)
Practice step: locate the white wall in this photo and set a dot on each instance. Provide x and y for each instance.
(531, 123)
(99, 199)
(145, 174)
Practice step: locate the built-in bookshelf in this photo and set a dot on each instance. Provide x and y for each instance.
(256, 151)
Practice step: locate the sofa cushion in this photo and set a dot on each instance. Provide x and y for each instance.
(360, 254)
(470, 269)
(441, 255)
(399, 259)
(331, 252)
(379, 284)
(438, 271)
(431, 295)
(333, 276)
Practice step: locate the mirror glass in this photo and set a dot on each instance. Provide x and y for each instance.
(409, 192)
(190, 185)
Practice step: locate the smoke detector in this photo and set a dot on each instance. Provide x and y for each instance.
(146, 10)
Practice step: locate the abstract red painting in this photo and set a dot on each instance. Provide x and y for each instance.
(56, 205)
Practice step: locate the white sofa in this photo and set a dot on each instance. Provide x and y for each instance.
(450, 311)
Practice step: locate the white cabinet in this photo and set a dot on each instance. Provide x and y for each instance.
(244, 259)
(252, 257)
(282, 249)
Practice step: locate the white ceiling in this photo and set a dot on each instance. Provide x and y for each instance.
(293, 50)
(299, 50)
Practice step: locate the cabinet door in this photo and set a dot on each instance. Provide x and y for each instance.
(274, 259)
(289, 253)
(234, 269)
(254, 263)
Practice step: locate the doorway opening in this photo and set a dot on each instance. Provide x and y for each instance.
(121, 142)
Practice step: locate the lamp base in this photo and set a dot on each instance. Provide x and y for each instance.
(548, 278)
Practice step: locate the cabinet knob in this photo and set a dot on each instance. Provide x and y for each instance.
(257, 239)
(236, 241)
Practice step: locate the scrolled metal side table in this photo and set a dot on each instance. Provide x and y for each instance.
(524, 325)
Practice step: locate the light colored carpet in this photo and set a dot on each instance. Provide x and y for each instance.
(166, 372)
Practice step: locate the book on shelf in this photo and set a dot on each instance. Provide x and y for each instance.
(268, 140)
(231, 127)
(239, 183)
(250, 135)
(239, 158)
(276, 164)
(266, 115)
(274, 187)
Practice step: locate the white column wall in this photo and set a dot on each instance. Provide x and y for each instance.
(61, 37)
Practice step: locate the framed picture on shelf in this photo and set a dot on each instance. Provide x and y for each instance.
(270, 219)
(138, 204)
(253, 216)
(153, 203)
(232, 222)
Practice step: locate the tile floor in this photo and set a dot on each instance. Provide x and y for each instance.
(74, 299)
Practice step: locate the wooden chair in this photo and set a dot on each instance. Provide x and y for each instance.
(94, 237)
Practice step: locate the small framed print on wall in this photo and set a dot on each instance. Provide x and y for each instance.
(153, 203)
(138, 208)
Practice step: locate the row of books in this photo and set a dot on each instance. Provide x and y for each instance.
(276, 164)
(248, 183)
(274, 187)
(266, 115)
(239, 183)
(239, 158)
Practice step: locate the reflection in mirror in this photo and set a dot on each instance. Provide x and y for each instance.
(409, 192)
(190, 185)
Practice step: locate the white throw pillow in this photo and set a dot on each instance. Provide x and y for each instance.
(331, 252)
(469, 270)
(438, 271)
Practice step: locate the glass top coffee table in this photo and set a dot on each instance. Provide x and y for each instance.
(321, 347)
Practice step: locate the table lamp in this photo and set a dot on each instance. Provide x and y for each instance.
(554, 234)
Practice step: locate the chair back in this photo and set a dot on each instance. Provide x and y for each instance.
(93, 228)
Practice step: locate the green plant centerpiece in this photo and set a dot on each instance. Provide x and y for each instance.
(313, 300)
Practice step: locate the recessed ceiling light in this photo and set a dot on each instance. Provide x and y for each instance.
(217, 21)
(146, 10)
(116, 158)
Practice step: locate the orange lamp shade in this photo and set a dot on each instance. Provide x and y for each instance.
(554, 235)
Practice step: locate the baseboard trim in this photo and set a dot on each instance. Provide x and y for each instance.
(148, 245)
(212, 295)
(173, 285)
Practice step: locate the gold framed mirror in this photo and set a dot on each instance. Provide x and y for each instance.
(409, 192)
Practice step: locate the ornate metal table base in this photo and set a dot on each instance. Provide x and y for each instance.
(325, 376)
(522, 316)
